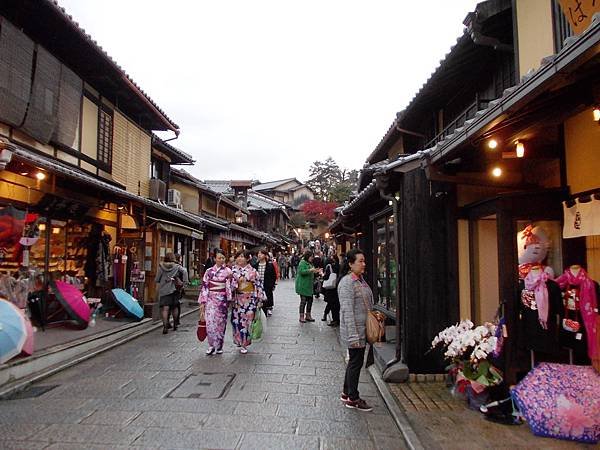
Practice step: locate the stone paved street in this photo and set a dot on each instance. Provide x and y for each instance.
(163, 392)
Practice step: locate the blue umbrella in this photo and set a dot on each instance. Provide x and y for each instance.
(128, 304)
(13, 331)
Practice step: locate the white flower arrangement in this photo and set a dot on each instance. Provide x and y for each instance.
(462, 341)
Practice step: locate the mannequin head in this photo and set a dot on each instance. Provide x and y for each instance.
(533, 244)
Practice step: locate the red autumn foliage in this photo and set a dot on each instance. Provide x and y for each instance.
(318, 211)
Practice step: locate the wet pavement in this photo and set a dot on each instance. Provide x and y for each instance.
(162, 391)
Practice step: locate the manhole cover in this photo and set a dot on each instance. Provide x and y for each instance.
(203, 385)
(33, 391)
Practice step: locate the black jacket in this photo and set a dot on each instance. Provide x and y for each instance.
(270, 276)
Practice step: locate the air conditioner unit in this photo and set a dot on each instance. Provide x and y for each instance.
(174, 198)
(158, 189)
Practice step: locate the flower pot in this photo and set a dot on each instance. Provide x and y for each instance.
(475, 400)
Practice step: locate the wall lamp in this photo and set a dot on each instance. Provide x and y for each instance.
(520, 148)
(596, 114)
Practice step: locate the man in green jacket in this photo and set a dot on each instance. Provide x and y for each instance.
(304, 285)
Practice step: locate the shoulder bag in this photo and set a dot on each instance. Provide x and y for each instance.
(330, 282)
(375, 328)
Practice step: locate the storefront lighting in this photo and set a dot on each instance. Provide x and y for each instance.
(520, 149)
(55, 230)
(497, 172)
(492, 144)
(41, 176)
(42, 227)
(391, 203)
(326, 235)
(596, 114)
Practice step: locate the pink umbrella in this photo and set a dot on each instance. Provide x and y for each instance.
(72, 300)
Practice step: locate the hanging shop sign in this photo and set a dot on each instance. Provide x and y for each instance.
(579, 13)
(581, 219)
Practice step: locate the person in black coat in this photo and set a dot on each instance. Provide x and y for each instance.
(266, 274)
(332, 266)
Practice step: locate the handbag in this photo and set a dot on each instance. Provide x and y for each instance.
(201, 330)
(330, 282)
(256, 328)
(375, 329)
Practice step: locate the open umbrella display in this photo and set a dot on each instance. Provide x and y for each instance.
(13, 331)
(561, 401)
(73, 301)
(128, 304)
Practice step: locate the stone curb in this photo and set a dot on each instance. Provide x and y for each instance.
(408, 433)
(20, 384)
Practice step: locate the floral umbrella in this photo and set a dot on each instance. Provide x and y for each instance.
(561, 401)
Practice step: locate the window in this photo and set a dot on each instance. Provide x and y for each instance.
(105, 127)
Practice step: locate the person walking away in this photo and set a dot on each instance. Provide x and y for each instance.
(282, 261)
(267, 276)
(215, 297)
(168, 293)
(295, 262)
(185, 276)
(356, 298)
(246, 299)
(331, 295)
(304, 286)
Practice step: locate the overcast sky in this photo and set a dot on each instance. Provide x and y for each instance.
(261, 89)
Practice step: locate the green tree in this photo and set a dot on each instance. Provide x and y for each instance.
(323, 176)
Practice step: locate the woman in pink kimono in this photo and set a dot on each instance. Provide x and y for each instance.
(247, 297)
(215, 297)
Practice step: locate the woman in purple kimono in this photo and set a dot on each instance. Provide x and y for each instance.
(246, 299)
(215, 297)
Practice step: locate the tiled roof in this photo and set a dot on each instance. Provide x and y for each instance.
(220, 186)
(183, 157)
(94, 44)
(272, 184)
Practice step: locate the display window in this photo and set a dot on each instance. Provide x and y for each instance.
(386, 264)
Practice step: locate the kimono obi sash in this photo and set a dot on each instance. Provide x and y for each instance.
(528, 299)
(246, 287)
(216, 286)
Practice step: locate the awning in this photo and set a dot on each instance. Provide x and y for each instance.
(177, 228)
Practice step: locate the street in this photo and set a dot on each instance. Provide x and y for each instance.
(162, 391)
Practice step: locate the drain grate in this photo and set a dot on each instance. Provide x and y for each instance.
(33, 392)
(203, 385)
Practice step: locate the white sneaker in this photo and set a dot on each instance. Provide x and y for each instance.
(210, 350)
(243, 350)
(220, 351)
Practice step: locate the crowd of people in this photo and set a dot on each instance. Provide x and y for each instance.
(245, 284)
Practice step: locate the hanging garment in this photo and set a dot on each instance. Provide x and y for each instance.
(583, 298)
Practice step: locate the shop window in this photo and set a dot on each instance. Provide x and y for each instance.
(386, 264)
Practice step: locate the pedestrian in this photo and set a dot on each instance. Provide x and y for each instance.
(295, 262)
(246, 299)
(356, 298)
(181, 292)
(215, 298)
(304, 286)
(330, 295)
(210, 261)
(318, 263)
(268, 279)
(282, 261)
(169, 276)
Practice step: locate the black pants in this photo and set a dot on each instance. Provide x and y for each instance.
(305, 302)
(357, 357)
(268, 303)
(333, 305)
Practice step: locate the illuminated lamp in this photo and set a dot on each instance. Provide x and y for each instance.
(520, 149)
(596, 114)
(41, 176)
(492, 144)
(497, 172)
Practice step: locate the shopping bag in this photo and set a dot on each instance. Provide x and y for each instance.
(256, 328)
(201, 330)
